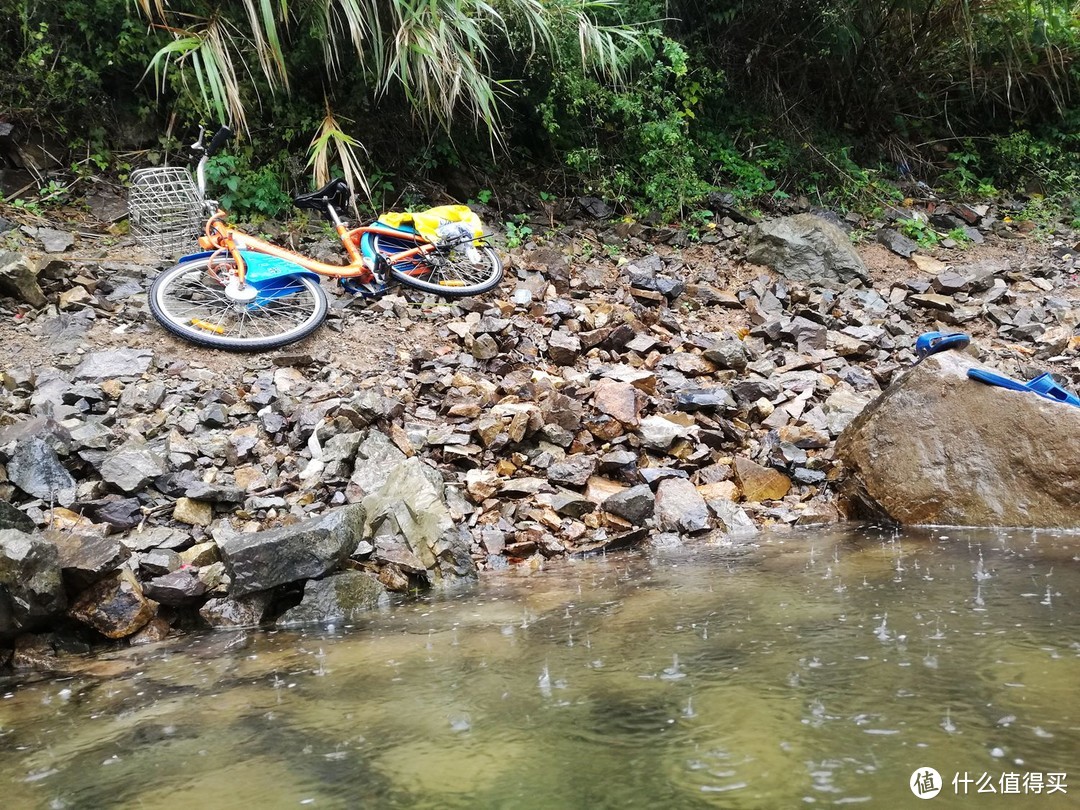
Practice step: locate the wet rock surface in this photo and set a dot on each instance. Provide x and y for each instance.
(976, 456)
(625, 384)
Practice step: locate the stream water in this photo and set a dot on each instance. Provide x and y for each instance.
(804, 669)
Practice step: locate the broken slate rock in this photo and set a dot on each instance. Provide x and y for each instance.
(340, 597)
(12, 518)
(55, 241)
(36, 470)
(108, 365)
(31, 588)
(263, 560)
(760, 483)
(133, 465)
(634, 505)
(896, 242)
(177, 588)
(680, 507)
(115, 607)
(574, 471)
(85, 558)
(18, 279)
(241, 611)
(409, 514)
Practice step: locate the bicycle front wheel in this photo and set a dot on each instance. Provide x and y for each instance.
(449, 272)
(193, 304)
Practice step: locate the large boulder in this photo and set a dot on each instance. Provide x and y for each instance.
(805, 248)
(263, 560)
(939, 448)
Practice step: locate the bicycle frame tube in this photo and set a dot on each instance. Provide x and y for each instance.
(220, 236)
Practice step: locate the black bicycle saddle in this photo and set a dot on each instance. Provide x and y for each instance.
(335, 193)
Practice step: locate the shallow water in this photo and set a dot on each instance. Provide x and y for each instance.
(809, 668)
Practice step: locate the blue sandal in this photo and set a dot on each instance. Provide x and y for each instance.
(934, 342)
(1043, 385)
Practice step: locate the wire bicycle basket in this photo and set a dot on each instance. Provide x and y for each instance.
(165, 210)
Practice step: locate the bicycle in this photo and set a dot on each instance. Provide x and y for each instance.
(243, 293)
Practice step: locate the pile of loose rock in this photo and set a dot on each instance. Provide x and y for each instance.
(591, 404)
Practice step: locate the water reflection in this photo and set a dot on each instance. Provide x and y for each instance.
(809, 669)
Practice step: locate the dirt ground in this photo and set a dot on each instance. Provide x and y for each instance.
(366, 338)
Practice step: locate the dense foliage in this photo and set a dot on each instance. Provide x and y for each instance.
(651, 105)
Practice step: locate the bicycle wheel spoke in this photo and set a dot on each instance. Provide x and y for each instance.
(196, 305)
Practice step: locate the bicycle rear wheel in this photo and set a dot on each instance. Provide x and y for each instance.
(193, 304)
(445, 271)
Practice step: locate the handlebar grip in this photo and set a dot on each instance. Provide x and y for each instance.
(219, 139)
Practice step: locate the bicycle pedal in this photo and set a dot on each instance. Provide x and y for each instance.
(369, 289)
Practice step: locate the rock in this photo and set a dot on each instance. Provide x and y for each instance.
(571, 504)
(31, 588)
(619, 400)
(12, 518)
(575, 471)
(201, 554)
(36, 470)
(159, 561)
(944, 303)
(659, 431)
(688, 364)
(939, 448)
(730, 354)
(733, 518)
(409, 514)
(176, 588)
(680, 507)
(896, 242)
(107, 365)
(634, 505)
(703, 399)
(18, 279)
(816, 514)
(760, 483)
(74, 298)
(806, 248)
(481, 484)
(340, 597)
(118, 512)
(563, 348)
(214, 493)
(115, 607)
(841, 406)
(242, 611)
(55, 241)
(85, 558)
(155, 630)
(376, 458)
(263, 560)
(599, 489)
(133, 465)
(192, 512)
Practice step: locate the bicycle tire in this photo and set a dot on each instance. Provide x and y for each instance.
(191, 304)
(448, 273)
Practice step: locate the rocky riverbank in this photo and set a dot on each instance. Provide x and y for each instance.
(625, 385)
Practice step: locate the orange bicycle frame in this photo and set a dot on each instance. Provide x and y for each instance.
(219, 235)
